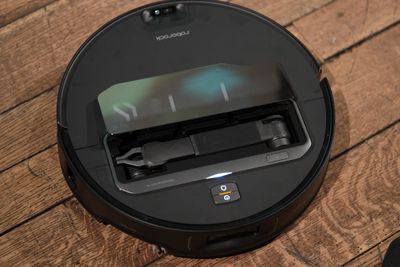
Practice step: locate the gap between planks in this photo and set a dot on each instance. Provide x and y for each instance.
(8, 16)
(387, 239)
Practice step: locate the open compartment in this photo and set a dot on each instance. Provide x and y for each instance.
(120, 144)
(187, 121)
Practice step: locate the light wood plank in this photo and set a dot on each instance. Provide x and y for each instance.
(11, 10)
(375, 256)
(345, 22)
(283, 11)
(358, 205)
(68, 236)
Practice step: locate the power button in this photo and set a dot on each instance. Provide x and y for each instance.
(225, 193)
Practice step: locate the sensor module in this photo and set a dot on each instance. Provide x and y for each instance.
(199, 126)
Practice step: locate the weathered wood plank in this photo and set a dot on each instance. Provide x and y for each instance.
(283, 11)
(345, 22)
(366, 89)
(11, 10)
(27, 129)
(357, 206)
(375, 256)
(35, 50)
(68, 236)
(355, 93)
(31, 187)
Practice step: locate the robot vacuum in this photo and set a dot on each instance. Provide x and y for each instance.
(199, 126)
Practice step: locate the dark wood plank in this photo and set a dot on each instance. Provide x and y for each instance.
(356, 207)
(68, 236)
(346, 22)
(11, 10)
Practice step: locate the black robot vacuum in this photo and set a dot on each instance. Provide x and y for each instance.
(199, 126)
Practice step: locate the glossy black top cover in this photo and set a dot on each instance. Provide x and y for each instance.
(207, 33)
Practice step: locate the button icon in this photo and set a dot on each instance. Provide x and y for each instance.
(225, 193)
(223, 188)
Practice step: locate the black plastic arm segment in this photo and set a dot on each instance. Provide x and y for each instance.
(272, 130)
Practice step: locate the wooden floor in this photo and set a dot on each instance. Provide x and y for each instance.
(352, 220)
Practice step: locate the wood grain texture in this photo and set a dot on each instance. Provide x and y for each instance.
(375, 256)
(283, 11)
(28, 129)
(345, 22)
(31, 187)
(68, 236)
(357, 205)
(11, 10)
(367, 89)
(36, 49)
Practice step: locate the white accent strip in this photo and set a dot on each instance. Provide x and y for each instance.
(122, 113)
(224, 92)
(218, 175)
(172, 103)
(132, 108)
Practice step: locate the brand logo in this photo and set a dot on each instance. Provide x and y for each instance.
(172, 35)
